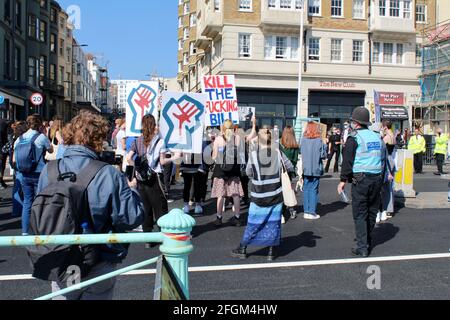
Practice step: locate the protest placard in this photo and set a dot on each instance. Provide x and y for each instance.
(183, 121)
(142, 99)
(222, 102)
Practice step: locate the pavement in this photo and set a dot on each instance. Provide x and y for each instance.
(411, 252)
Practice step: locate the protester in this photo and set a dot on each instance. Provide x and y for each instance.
(291, 150)
(55, 136)
(334, 149)
(417, 145)
(227, 183)
(3, 156)
(363, 166)
(440, 151)
(266, 206)
(121, 145)
(150, 152)
(30, 168)
(19, 128)
(387, 191)
(118, 124)
(313, 152)
(114, 203)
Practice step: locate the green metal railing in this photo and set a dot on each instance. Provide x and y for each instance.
(175, 238)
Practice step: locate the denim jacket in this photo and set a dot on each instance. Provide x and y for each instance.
(115, 207)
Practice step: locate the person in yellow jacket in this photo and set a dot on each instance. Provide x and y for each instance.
(440, 150)
(417, 145)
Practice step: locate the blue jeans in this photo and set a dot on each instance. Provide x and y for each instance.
(17, 196)
(29, 187)
(311, 194)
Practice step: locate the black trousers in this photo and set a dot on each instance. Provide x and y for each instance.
(418, 162)
(440, 159)
(167, 172)
(366, 196)
(188, 178)
(203, 181)
(336, 164)
(155, 203)
(244, 182)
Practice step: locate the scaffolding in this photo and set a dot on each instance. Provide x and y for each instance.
(433, 111)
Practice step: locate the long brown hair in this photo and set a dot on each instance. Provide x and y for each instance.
(56, 126)
(148, 129)
(228, 130)
(312, 131)
(288, 139)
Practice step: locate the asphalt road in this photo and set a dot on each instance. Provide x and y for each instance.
(411, 232)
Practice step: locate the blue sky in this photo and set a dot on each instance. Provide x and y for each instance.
(137, 37)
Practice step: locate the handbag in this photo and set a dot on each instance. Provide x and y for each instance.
(289, 196)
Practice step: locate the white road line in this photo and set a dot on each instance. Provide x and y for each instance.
(273, 265)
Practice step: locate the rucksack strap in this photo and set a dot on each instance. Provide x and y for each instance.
(85, 177)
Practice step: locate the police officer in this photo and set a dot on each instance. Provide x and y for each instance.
(363, 165)
(440, 150)
(417, 145)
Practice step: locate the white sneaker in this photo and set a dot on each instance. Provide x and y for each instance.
(309, 216)
(283, 220)
(138, 229)
(378, 217)
(384, 216)
(198, 209)
(170, 201)
(187, 208)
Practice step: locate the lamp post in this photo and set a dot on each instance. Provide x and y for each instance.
(298, 124)
(74, 45)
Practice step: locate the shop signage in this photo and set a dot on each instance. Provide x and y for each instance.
(391, 98)
(394, 113)
(337, 84)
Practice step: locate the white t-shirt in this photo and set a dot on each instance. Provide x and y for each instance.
(119, 137)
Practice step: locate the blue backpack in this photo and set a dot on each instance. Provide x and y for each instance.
(27, 159)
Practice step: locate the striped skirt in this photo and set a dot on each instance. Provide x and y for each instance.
(264, 226)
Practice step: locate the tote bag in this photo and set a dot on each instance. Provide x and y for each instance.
(289, 196)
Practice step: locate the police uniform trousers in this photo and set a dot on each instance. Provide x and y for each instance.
(366, 201)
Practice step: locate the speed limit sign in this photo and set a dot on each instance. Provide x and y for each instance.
(36, 99)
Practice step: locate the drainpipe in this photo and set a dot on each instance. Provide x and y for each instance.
(370, 35)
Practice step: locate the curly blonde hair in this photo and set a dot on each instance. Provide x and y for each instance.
(87, 129)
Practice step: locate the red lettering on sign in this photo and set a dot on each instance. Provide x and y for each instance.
(217, 82)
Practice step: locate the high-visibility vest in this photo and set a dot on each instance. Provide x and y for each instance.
(417, 144)
(441, 145)
(368, 153)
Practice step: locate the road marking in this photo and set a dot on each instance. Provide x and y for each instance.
(272, 265)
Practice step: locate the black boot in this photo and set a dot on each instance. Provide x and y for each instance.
(240, 253)
(272, 254)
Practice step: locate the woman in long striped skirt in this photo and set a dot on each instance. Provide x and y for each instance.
(266, 193)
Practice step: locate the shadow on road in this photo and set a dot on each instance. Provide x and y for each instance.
(384, 233)
(323, 210)
(291, 244)
(2, 261)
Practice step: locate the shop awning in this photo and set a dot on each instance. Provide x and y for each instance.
(12, 99)
(394, 113)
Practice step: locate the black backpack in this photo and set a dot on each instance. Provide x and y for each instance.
(61, 209)
(144, 173)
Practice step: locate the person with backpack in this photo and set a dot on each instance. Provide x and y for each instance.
(28, 159)
(81, 195)
(227, 170)
(148, 155)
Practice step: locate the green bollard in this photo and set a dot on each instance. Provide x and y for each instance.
(176, 227)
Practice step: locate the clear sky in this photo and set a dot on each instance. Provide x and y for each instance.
(137, 37)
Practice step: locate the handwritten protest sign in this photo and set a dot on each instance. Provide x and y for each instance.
(183, 120)
(142, 99)
(222, 102)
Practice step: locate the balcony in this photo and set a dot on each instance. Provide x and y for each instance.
(280, 20)
(212, 25)
(396, 28)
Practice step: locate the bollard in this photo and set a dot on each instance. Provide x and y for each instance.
(176, 227)
(404, 178)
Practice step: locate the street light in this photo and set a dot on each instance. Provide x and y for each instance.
(300, 70)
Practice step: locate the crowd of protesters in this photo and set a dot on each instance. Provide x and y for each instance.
(245, 168)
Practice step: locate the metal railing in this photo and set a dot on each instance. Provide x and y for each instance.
(175, 237)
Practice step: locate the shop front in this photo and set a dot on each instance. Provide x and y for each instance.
(12, 106)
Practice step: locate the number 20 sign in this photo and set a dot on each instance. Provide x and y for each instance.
(37, 99)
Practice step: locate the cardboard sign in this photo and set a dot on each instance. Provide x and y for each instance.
(246, 114)
(142, 99)
(183, 121)
(222, 102)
